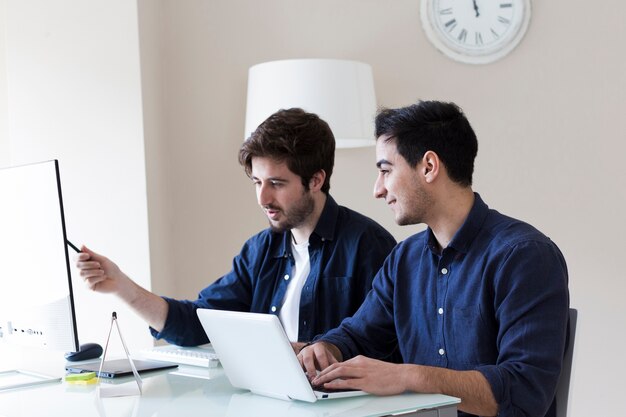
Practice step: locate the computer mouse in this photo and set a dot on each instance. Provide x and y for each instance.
(85, 352)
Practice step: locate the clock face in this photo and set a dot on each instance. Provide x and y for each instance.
(475, 31)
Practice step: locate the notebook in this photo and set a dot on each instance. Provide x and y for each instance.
(257, 355)
(118, 367)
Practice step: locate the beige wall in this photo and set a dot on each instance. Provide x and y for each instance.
(548, 119)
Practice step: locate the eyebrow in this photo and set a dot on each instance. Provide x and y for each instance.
(273, 179)
(382, 162)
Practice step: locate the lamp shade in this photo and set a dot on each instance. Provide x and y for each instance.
(341, 92)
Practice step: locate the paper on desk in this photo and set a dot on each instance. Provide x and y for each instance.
(119, 390)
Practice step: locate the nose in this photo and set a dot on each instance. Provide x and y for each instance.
(379, 188)
(263, 195)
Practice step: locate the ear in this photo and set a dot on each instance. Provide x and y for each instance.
(431, 166)
(317, 180)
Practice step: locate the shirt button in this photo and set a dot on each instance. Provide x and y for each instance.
(444, 271)
(440, 311)
(304, 322)
(441, 352)
(273, 309)
(286, 277)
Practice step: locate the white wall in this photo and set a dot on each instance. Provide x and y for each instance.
(4, 140)
(74, 94)
(160, 214)
(548, 118)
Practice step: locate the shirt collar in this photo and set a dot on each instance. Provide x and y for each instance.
(324, 229)
(464, 237)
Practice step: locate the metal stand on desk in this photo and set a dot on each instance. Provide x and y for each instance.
(102, 392)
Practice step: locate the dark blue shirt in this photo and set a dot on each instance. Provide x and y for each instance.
(346, 249)
(495, 300)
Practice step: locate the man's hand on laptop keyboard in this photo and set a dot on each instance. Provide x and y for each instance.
(366, 374)
(297, 346)
(317, 357)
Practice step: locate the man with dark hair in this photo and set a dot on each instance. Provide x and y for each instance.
(477, 303)
(302, 140)
(312, 267)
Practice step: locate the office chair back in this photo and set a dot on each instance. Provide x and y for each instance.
(562, 388)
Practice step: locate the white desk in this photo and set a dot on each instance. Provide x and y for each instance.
(167, 393)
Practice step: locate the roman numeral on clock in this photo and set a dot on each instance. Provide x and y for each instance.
(462, 35)
(478, 38)
(451, 24)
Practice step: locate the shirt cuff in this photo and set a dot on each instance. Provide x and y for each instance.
(499, 386)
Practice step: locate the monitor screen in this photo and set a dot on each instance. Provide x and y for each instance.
(36, 301)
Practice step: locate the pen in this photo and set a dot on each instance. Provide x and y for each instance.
(72, 246)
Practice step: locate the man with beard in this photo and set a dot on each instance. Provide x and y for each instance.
(477, 304)
(312, 267)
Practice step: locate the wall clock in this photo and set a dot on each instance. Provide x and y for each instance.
(475, 31)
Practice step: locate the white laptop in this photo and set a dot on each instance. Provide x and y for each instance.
(257, 355)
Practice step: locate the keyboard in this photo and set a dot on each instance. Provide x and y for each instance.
(203, 356)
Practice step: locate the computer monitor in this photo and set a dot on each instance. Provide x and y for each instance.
(36, 300)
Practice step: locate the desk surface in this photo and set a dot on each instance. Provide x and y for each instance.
(190, 391)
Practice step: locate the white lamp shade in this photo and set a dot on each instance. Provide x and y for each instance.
(340, 92)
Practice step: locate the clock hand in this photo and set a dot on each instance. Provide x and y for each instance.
(476, 8)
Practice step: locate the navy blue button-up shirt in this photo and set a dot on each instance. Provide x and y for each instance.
(495, 300)
(346, 249)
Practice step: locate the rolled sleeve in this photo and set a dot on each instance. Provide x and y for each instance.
(531, 304)
(182, 326)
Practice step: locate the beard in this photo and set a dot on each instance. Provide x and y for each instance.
(415, 207)
(295, 216)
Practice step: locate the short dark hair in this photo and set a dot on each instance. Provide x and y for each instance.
(432, 126)
(301, 140)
